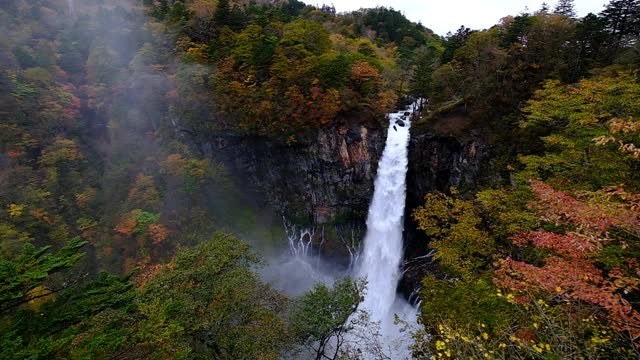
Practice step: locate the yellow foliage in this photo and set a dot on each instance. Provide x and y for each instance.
(39, 296)
(61, 151)
(202, 8)
(15, 210)
(454, 225)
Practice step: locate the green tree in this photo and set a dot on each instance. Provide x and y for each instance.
(591, 39)
(31, 269)
(565, 8)
(622, 18)
(421, 84)
(212, 293)
(454, 41)
(460, 244)
(577, 123)
(320, 318)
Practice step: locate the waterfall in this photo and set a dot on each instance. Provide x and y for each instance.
(301, 239)
(383, 245)
(72, 7)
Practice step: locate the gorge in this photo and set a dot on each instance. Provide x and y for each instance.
(239, 179)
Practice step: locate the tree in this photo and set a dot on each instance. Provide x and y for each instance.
(591, 38)
(211, 292)
(565, 8)
(622, 18)
(577, 264)
(544, 9)
(517, 30)
(18, 277)
(454, 41)
(91, 316)
(320, 319)
(453, 224)
(421, 84)
(222, 13)
(578, 123)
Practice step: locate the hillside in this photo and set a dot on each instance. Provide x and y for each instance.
(193, 178)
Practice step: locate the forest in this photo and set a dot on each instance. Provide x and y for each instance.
(125, 233)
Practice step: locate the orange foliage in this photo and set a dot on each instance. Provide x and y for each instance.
(175, 164)
(591, 218)
(147, 273)
(143, 193)
(363, 71)
(158, 233)
(127, 225)
(42, 216)
(14, 154)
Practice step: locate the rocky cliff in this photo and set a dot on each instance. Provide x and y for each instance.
(447, 152)
(324, 181)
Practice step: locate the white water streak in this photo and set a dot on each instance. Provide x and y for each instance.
(383, 246)
(72, 7)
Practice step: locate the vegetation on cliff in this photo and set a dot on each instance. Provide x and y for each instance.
(110, 211)
(545, 266)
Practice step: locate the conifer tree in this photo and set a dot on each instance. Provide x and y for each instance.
(566, 8)
(223, 12)
(622, 18)
(544, 8)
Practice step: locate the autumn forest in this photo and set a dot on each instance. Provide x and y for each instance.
(162, 160)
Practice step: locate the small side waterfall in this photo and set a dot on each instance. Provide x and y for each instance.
(301, 239)
(383, 245)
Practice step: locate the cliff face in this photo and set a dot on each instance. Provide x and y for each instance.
(327, 184)
(329, 179)
(439, 160)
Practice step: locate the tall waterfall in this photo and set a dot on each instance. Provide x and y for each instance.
(383, 246)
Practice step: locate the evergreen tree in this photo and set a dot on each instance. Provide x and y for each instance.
(454, 41)
(566, 8)
(517, 31)
(591, 39)
(223, 12)
(19, 276)
(622, 18)
(544, 8)
(425, 64)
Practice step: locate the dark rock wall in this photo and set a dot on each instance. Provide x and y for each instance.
(325, 181)
(438, 162)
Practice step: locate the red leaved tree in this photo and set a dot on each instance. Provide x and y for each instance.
(572, 269)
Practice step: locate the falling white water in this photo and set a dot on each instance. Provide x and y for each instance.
(383, 246)
(72, 7)
(299, 268)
